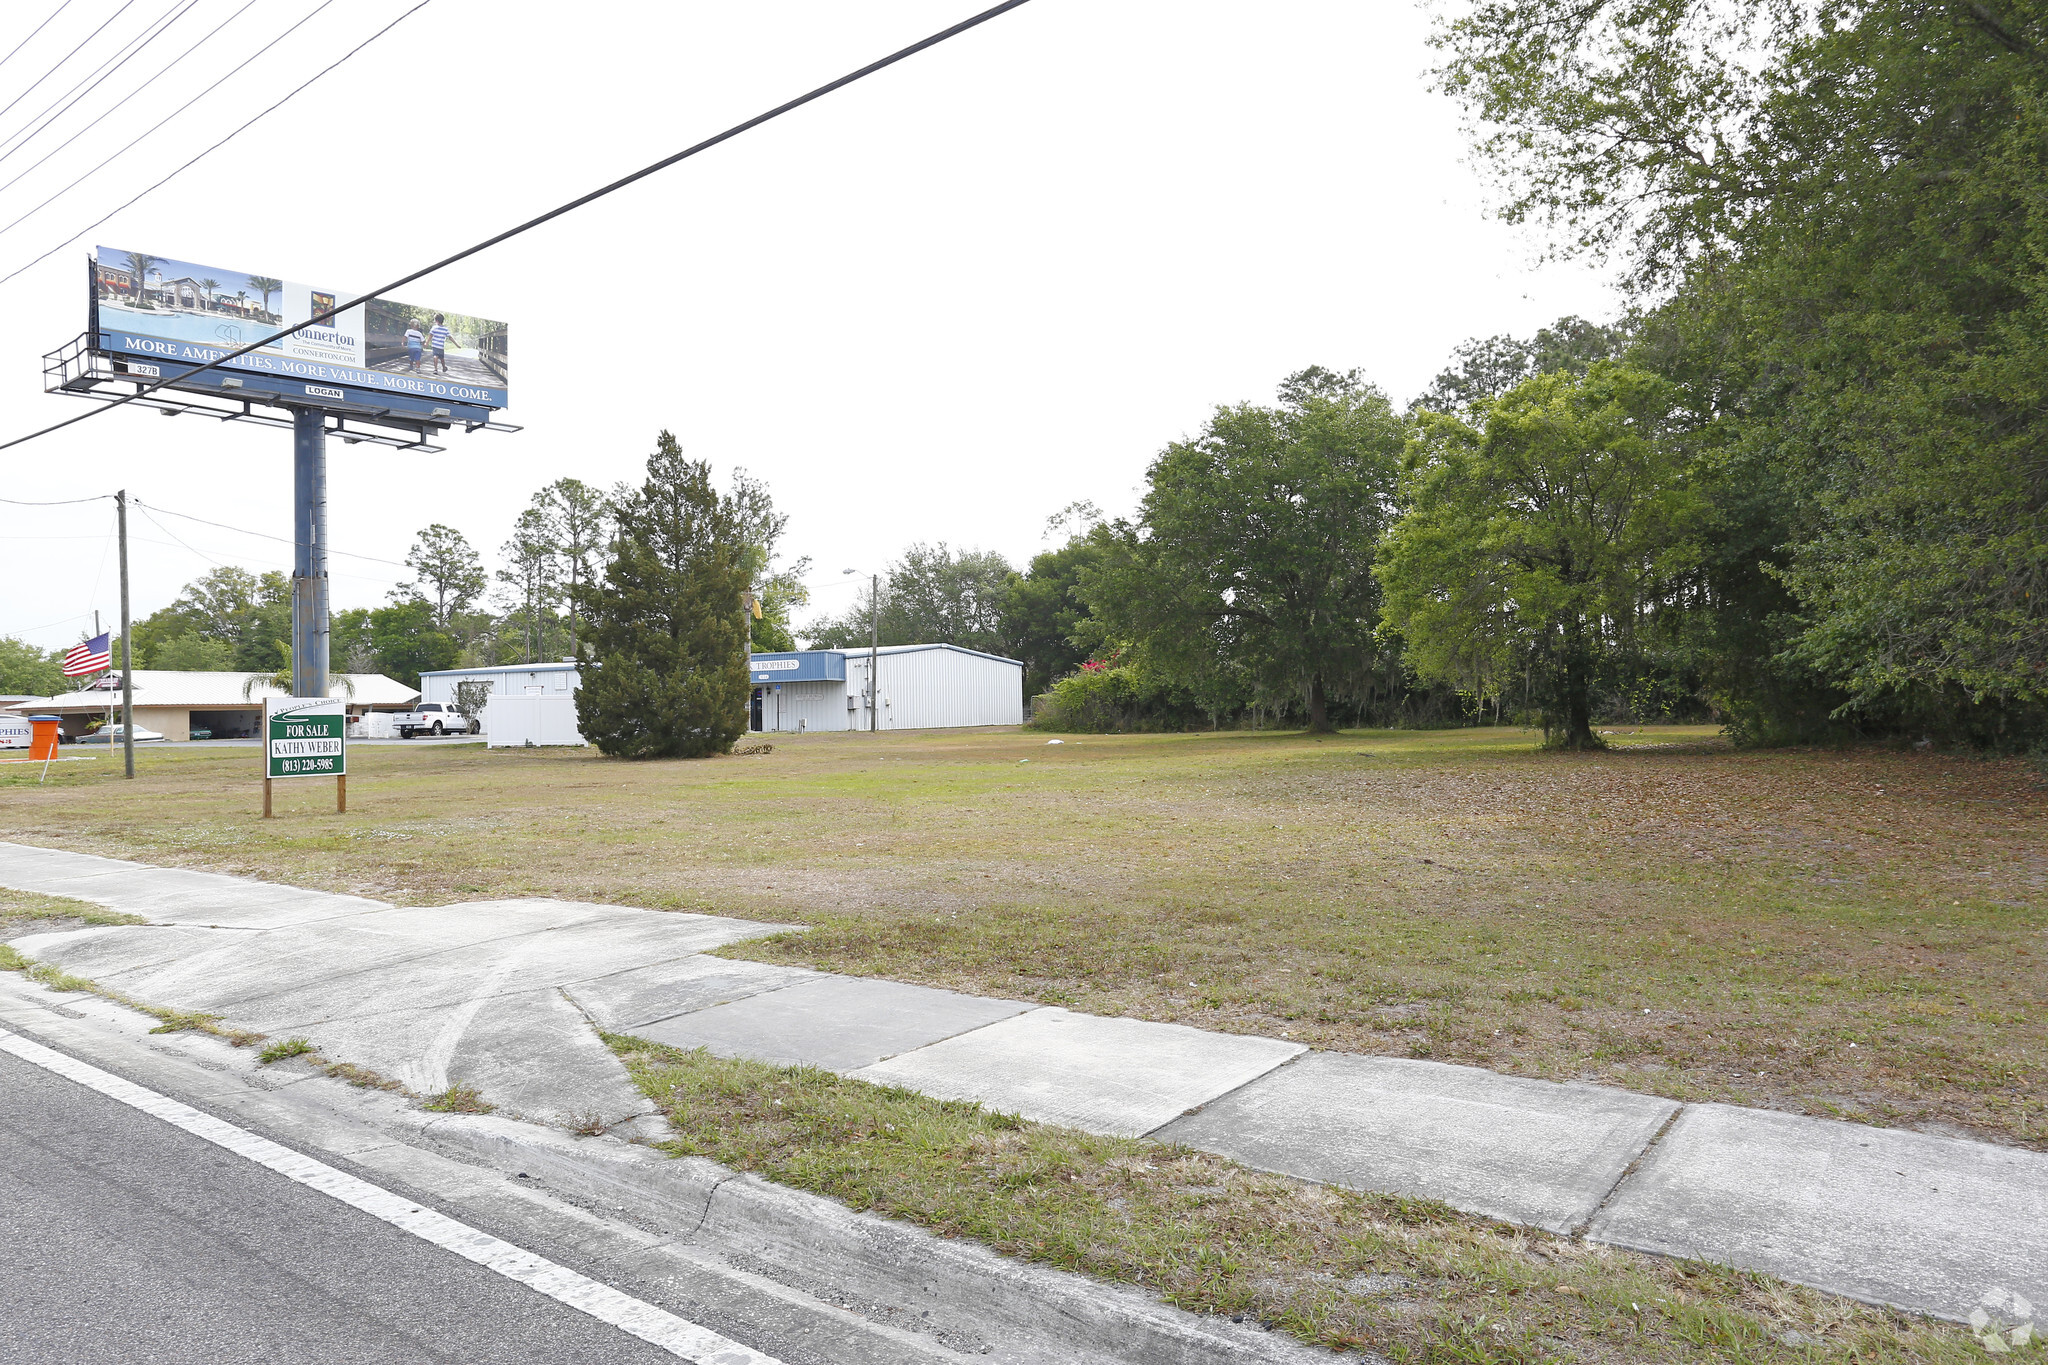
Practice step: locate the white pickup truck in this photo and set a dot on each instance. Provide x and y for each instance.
(431, 718)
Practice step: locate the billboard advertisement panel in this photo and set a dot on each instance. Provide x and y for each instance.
(153, 308)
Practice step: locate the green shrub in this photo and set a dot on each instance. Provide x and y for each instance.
(1100, 701)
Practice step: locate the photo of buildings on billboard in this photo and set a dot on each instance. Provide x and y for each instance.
(157, 306)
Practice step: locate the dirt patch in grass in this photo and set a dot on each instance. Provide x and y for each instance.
(1408, 1278)
(1856, 933)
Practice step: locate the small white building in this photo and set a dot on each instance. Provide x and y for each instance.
(923, 687)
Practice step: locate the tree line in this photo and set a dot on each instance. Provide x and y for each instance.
(1830, 220)
(451, 612)
(1494, 551)
(1800, 487)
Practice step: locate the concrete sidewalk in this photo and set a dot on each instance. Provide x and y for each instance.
(501, 995)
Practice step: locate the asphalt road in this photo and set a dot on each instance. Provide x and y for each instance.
(124, 1239)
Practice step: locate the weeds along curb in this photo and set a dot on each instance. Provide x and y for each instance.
(56, 979)
(809, 1241)
(168, 1020)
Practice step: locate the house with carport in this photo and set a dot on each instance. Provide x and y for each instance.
(228, 705)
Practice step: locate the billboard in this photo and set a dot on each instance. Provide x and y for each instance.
(155, 308)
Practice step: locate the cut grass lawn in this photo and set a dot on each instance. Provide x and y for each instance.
(1408, 1278)
(1856, 933)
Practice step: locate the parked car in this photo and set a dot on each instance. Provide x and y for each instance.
(199, 732)
(431, 718)
(111, 734)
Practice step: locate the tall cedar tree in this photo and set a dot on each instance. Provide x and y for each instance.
(665, 639)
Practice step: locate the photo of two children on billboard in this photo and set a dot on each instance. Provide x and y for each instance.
(403, 339)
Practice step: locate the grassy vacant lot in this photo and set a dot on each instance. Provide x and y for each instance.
(1857, 933)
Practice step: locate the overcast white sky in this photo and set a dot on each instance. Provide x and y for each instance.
(939, 305)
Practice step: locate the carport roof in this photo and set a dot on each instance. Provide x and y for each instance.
(215, 691)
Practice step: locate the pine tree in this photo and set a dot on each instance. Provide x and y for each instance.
(665, 640)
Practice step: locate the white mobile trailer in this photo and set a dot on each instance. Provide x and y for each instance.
(506, 680)
(538, 721)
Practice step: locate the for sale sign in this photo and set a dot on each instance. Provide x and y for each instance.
(304, 737)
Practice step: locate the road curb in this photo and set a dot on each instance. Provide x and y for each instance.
(809, 1241)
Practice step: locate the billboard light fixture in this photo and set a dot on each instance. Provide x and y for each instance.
(440, 412)
(230, 383)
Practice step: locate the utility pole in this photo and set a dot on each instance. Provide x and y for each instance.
(874, 651)
(127, 650)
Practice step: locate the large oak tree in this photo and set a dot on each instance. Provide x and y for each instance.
(1541, 541)
(1247, 575)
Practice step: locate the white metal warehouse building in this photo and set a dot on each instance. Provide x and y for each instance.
(923, 687)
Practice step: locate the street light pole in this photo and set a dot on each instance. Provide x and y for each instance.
(127, 650)
(874, 651)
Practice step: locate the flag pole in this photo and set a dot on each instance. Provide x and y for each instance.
(96, 633)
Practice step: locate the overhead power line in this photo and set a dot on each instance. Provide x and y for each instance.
(174, 536)
(187, 516)
(61, 502)
(318, 318)
(33, 32)
(261, 535)
(93, 80)
(112, 108)
(105, 162)
(67, 56)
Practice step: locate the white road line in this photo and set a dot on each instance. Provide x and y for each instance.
(675, 1335)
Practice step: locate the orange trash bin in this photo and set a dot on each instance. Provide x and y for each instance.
(43, 739)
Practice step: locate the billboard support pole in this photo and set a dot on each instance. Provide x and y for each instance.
(309, 559)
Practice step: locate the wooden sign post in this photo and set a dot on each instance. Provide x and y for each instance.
(305, 737)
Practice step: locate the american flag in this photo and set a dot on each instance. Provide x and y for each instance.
(94, 656)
